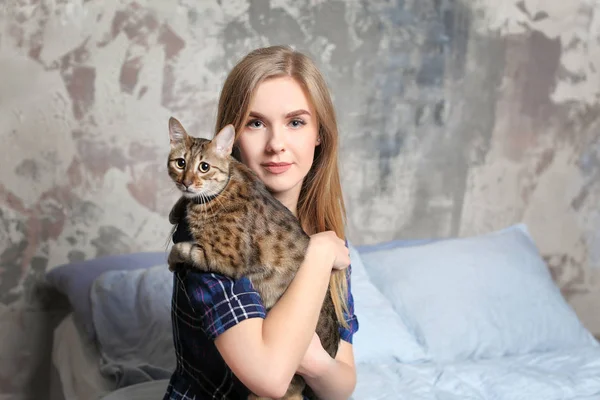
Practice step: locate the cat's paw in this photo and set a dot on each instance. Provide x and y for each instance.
(172, 265)
(179, 254)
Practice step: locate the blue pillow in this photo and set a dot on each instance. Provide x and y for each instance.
(478, 297)
(382, 335)
(392, 244)
(75, 280)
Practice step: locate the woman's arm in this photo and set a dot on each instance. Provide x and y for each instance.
(329, 378)
(333, 378)
(265, 353)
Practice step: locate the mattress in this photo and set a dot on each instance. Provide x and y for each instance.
(76, 363)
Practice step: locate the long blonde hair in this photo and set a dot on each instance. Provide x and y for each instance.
(321, 205)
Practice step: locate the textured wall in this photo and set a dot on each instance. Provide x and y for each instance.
(457, 117)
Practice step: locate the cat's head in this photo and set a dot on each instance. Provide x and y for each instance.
(199, 167)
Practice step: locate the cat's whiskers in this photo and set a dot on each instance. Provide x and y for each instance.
(225, 195)
(206, 203)
(218, 199)
(203, 204)
(210, 204)
(219, 196)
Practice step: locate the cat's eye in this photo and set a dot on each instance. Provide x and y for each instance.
(204, 167)
(180, 162)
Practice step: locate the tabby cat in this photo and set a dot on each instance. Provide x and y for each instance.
(239, 228)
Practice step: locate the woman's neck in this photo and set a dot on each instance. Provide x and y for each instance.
(289, 199)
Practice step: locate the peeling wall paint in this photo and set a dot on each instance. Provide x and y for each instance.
(544, 156)
(456, 117)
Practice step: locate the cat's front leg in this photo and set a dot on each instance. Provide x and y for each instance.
(203, 259)
(187, 253)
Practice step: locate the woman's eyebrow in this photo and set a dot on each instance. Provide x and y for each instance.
(291, 114)
(255, 114)
(297, 113)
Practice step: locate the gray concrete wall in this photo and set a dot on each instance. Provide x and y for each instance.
(457, 118)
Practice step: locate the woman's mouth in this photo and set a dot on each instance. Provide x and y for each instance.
(276, 168)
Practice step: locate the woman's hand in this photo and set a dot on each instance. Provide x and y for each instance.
(328, 244)
(315, 361)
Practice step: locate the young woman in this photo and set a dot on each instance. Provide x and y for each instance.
(226, 344)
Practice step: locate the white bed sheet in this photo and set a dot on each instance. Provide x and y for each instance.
(76, 360)
(560, 375)
(557, 375)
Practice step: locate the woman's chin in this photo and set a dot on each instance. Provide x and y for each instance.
(277, 185)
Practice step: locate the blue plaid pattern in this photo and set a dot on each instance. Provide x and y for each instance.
(203, 306)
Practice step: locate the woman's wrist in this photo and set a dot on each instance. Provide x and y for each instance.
(319, 366)
(321, 250)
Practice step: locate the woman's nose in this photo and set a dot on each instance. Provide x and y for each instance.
(276, 142)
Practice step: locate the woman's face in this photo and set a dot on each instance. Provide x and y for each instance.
(279, 137)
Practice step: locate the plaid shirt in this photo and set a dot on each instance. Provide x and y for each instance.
(203, 306)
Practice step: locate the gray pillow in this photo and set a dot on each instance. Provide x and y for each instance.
(75, 280)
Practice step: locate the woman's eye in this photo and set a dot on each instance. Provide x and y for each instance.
(180, 162)
(204, 167)
(255, 123)
(296, 123)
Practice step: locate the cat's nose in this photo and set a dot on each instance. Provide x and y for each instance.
(187, 183)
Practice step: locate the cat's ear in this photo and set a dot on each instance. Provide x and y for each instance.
(223, 140)
(177, 134)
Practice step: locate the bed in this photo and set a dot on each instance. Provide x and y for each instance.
(475, 318)
(557, 375)
(76, 372)
(75, 361)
